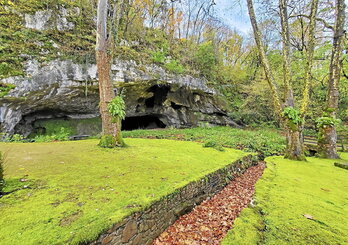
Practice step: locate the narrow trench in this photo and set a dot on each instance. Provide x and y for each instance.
(209, 222)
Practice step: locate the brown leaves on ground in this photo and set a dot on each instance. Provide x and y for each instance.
(209, 222)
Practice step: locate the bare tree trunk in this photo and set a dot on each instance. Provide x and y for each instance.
(288, 94)
(111, 134)
(294, 147)
(309, 59)
(327, 142)
(263, 59)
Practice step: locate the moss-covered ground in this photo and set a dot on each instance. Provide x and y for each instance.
(296, 203)
(262, 140)
(69, 192)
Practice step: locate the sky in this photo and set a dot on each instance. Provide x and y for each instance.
(234, 14)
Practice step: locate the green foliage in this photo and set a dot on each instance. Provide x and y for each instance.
(205, 59)
(214, 145)
(81, 190)
(286, 192)
(117, 108)
(175, 67)
(323, 122)
(292, 115)
(159, 57)
(61, 135)
(264, 141)
(2, 181)
(16, 138)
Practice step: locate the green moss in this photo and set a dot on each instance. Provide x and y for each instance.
(2, 182)
(71, 126)
(249, 222)
(289, 190)
(109, 141)
(265, 141)
(80, 190)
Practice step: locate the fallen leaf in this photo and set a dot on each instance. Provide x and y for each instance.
(308, 216)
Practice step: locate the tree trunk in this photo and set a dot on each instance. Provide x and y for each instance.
(309, 59)
(288, 93)
(111, 130)
(294, 137)
(264, 59)
(327, 140)
(294, 149)
(294, 144)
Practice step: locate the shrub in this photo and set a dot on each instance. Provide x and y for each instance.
(205, 58)
(322, 122)
(175, 67)
(159, 57)
(16, 138)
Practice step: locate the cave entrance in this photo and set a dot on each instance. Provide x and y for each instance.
(142, 122)
(160, 93)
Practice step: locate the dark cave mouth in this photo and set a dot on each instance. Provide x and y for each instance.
(143, 122)
(50, 122)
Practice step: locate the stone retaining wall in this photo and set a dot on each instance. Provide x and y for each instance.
(143, 227)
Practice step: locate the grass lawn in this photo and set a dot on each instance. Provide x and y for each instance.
(75, 190)
(289, 190)
(263, 140)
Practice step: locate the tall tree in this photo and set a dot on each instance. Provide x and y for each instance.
(327, 140)
(289, 116)
(106, 35)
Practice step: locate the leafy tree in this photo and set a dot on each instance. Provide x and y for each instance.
(205, 58)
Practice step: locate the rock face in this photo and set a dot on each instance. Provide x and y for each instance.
(49, 19)
(63, 89)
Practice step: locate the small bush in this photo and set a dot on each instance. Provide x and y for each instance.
(16, 138)
(214, 145)
(210, 144)
(159, 57)
(174, 67)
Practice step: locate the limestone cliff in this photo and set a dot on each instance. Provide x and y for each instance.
(62, 87)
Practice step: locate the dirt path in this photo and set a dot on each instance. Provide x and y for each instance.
(209, 222)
